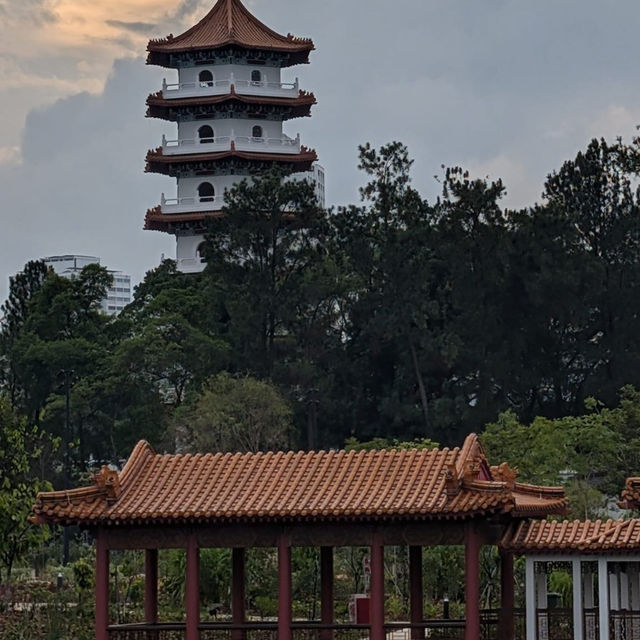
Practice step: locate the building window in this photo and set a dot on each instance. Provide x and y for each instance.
(256, 76)
(206, 78)
(256, 132)
(206, 192)
(205, 133)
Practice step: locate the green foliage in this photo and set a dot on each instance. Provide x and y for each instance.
(235, 414)
(590, 453)
(353, 444)
(20, 449)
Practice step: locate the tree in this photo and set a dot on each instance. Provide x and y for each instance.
(392, 311)
(235, 414)
(591, 453)
(266, 258)
(20, 449)
(22, 288)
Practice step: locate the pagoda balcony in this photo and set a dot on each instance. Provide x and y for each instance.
(225, 143)
(224, 86)
(191, 204)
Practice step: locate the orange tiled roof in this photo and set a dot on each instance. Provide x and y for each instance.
(313, 486)
(573, 536)
(631, 494)
(229, 23)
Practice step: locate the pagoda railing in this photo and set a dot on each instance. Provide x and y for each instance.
(223, 143)
(191, 203)
(223, 87)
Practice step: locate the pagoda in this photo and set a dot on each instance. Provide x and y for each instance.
(230, 105)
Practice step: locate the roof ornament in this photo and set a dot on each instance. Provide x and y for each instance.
(504, 473)
(452, 484)
(471, 470)
(109, 481)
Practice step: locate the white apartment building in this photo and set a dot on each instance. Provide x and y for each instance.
(118, 296)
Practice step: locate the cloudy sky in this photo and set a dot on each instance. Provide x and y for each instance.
(506, 88)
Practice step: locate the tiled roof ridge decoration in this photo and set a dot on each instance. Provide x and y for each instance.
(230, 23)
(630, 497)
(414, 484)
(583, 536)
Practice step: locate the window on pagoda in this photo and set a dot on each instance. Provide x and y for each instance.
(256, 132)
(200, 251)
(256, 76)
(205, 133)
(206, 192)
(206, 78)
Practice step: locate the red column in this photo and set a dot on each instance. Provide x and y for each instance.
(102, 586)
(151, 586)
(415, 591)
(192, 591)
(376, 612)
(284, 589)
(238, 592)
(506, 625)
(472, 582)
(326, 591)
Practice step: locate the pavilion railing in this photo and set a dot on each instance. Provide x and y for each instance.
(591, 624)
(624, 625)
(433, 629)
(555, 624)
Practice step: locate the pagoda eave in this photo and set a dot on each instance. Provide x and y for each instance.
(210, 106)
(155, 220)
(222, 162)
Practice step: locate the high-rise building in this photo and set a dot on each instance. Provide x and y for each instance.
(70, 265)
(229, 103)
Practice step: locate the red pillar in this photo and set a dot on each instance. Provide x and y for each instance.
(192, 591)
(506, 625)
(415, 592)
(151, 586)
(102, 586)
(238, 592)
(284, 589)
(377, 588)
(472, 582)
(326, 591)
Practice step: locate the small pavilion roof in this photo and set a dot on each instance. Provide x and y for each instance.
(229, 23)
(304, 486)
(577, 536)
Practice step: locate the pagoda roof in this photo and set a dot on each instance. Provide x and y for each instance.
(155, 220)
(229, 23)
(316, 486)
(160, 163)
(565, 536)
(301, 104)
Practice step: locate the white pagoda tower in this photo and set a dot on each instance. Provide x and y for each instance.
(230, 105)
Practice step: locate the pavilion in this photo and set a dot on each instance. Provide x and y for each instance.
(320, 499)
(603, 560)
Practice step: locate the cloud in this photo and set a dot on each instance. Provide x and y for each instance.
(80, 185)
(143, 28)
